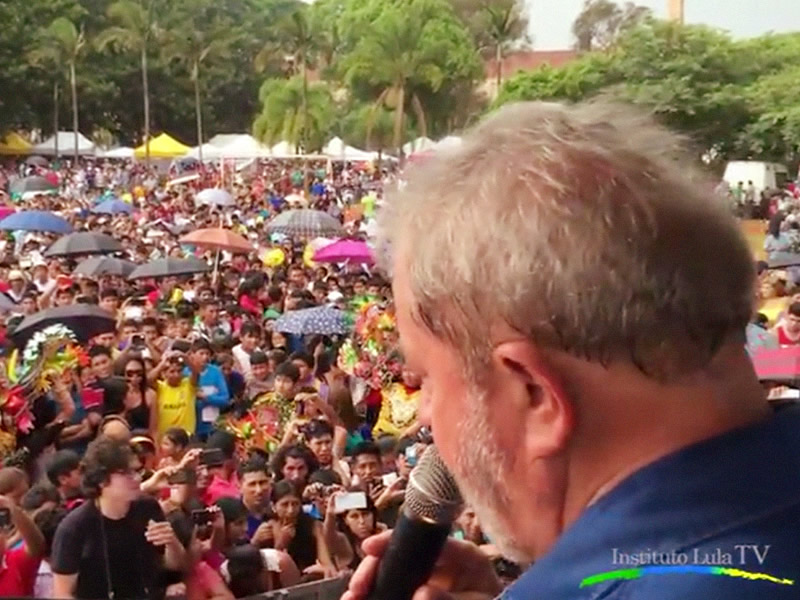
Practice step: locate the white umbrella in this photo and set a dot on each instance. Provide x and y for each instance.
(215, 197)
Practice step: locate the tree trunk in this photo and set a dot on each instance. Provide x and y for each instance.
(399, 113)
(55, 115)
(75, 125)
(146, 99)
(498, 59)
(198, 111)
(305, 125)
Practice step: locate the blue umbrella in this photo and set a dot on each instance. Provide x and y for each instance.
(35, 220)
(322, 320)
(112, 206)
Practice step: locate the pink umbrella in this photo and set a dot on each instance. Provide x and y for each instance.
(6, 210)
(345, 251)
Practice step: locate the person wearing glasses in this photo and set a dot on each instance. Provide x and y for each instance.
(140, 397)
(118, 544)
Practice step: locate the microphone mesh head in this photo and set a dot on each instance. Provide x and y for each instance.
(432, 494)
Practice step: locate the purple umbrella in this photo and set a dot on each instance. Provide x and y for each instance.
(345, 251)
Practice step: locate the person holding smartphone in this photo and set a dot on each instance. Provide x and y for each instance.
(346, 529)
(20, 564)
(176, 393)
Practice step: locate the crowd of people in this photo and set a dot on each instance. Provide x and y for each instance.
(145, 468)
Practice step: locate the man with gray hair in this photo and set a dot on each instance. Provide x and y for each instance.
(575, 304)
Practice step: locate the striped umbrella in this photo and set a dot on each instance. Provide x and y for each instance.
(306, 224)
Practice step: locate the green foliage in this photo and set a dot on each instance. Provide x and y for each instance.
(283, 116)
(738, 98)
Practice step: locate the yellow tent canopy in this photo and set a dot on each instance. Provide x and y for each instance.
(15, 144)
(163, 146)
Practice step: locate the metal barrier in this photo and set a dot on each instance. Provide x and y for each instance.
(326, 589)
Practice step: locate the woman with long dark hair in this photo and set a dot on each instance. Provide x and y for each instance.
(346, 531)
(139, 397)
(297, 533)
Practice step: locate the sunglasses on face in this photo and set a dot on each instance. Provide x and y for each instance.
(133, 372)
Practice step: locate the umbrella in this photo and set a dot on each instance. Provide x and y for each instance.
(345, 251)
(112, 206)
(322, 320)
(104, 265)
(306, 223)
(215, 197)
(6, 304)
(85, 320)
(218, 239)
(6, 210)
(778, 364)
(84, 242)
(35, 220)
(169, 267)
(781, 260)
(32, 185)
(37, 161)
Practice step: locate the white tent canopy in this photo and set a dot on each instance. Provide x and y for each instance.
(210, 152)
(421, 144)
(338, 150)
(231, 145)
(66, 145)
(451, 141)
(121, 152)
(283, 149)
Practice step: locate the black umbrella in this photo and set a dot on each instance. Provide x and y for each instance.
(37, 161)
(306, 223)
(84, 242)
(169, 267)
(104, 265)
(84, 320)
(6, 303)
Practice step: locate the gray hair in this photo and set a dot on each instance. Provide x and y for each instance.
(579, 227)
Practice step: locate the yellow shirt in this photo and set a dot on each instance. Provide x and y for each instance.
(176, 406)
(398, 410)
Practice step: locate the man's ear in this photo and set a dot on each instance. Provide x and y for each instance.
(548, 413)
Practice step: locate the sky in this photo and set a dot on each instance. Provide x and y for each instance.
(551, 20)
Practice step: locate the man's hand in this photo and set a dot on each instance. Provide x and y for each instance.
(263, 535)
(462, 568)
(191, 458)
(160, 534)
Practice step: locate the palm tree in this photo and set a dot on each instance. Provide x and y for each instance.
(393, 58)
(63, 43)
(52, 58)
(192, 47)
(136, 29)
(294, 111)
(504, 25)
(296, 40)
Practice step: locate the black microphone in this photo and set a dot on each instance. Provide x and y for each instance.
(432, 503)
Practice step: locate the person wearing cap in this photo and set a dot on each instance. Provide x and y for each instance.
(16, 286)
(41, 277)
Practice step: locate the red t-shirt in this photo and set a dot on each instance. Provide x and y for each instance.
(18, 572)
(784, 339)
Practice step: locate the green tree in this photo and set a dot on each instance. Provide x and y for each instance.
(197, 35)
(295, 111)
(601, 22)
(64, 40)
(410, 47)
(134, 32)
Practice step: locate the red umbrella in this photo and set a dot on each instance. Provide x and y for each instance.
(218, 239)
(779, 364)
(6, 210)
(52, 177)
(345, 251)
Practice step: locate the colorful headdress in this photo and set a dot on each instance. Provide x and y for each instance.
(372, 352)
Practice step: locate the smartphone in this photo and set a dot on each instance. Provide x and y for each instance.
(411, 456)
(212, 457)
(389, 479)
(5, 518)
(182, 477)
(202, 516)
(92, 398)
(350, 501)
(137, 340)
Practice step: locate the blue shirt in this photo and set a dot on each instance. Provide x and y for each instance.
(702, 506)
(211, 377)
